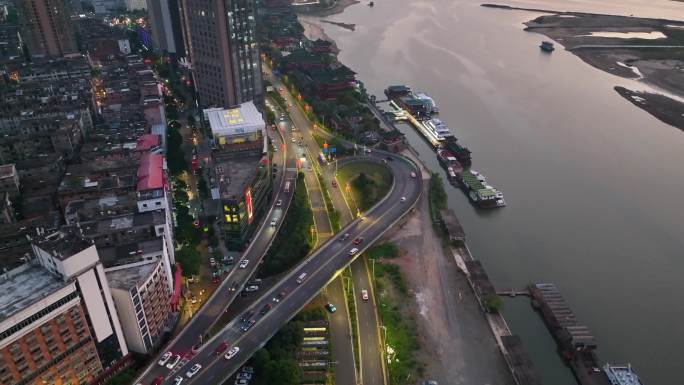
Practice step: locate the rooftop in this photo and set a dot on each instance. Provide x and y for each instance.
(150, 172)
(146, 142)
(129, 277)
(7, 170)
(64, 243)
(243, 119)
(129, 253)
(234, 175)
(23, 286)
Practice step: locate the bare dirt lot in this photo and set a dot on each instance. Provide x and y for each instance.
(457, 345)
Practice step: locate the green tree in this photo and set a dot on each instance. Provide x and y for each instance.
(282, 372)
(190, 260)
(493, 303)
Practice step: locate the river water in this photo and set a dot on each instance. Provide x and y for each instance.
(593, 184)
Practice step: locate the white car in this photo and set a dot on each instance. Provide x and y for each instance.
(177, 380)
(246, 376)
(364, 294)
(232, 352)
(293, 140)
(174, 361)
(243, 264)
(353, 251)
(241, 381)
(274, 222)
(212, 262)
(279, 202)
(413, 174)
(195, 368)
(165, 358)
(403, 199)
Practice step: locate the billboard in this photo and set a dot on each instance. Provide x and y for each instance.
(248, 205)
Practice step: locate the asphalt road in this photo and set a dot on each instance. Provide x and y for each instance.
(223, 296)
(320, 268)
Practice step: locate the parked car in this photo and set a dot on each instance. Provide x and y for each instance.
(331, 308)
(246, 376)
(177, 380)
(248, 369)
(228, 260)
(158, 380)
(165, 358)
(232, 352)
(212, 262)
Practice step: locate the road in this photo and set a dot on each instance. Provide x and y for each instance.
(222, 297)
(321, 267)
(371, 366)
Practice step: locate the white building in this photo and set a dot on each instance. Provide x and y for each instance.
(240, 124)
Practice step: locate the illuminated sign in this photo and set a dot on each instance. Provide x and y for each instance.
(248, 205)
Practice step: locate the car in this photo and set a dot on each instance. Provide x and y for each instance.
(215, 278)
(331, 308)
(158, 380)
(274, 222)
(279, 202)
(293, 140)
(193, 300)
(289, 104)
(334, 183)
(173, 362)
(233, 286)
(196, 347)
(220, 348)
(265, 309)
(165, 358)
(364, 295)
(246, 376)
(228, 260)
(389, 159)
(345, 237)
(353, 251)
(212, 262)
(246, 315)
(413, 174)
(282, 89)
(243, 264)
(248, 369)
(275, 149)
(251, 288)
(358, 241)
(241, 381)
(247, 325)
(177, 380)
(279, 297)
(232, 352)
(256, 281)
(403, 199)
(195, 368)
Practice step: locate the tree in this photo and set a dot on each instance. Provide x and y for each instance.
(261, 359)
(493, 303)
(283, 372)
(191, 120)
(190, 260)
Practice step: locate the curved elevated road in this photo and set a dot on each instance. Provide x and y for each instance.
(321, 267)
(223, 296)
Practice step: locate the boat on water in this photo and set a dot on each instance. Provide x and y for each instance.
(547, 46)
(371, 4)
(448, 160)
(461, 153)
(436, 129)
(479, 192)
(428, 101)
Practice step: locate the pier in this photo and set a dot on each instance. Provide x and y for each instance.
(513, 292)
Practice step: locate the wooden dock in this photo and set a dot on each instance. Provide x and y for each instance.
(513, 292)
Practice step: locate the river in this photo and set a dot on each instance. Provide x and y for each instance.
(592, 183)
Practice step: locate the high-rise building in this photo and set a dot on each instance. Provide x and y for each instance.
(166, 26)
(224, 54)
(46, 27)
(58, 322)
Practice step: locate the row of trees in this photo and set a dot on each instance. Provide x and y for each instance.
(293, 241)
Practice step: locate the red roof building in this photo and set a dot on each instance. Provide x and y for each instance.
(151, 172)
(146, 142)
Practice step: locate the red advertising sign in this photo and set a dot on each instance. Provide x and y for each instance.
(248, 205)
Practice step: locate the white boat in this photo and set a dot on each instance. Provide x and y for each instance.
(432, 106)
(436, 129)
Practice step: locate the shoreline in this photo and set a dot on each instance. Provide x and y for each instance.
(656, 62)
(339, 7)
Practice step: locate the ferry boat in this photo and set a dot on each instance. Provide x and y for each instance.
(460, 152)
(546, 46)
(429, 102)
(437, 129)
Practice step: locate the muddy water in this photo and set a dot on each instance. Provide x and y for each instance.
(593, 183)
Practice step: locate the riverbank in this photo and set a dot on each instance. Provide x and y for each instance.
(648, 50)
(338, 7)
